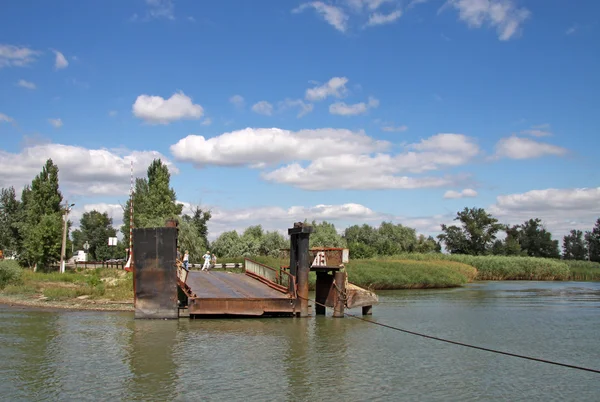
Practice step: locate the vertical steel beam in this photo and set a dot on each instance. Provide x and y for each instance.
(339, 301)
(303, 270)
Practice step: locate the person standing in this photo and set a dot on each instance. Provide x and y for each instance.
(186, 260)
(206, 261)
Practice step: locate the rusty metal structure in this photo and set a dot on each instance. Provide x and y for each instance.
(163, 288)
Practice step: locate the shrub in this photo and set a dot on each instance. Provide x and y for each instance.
(10, 273)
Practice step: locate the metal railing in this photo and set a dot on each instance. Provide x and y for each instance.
(276, 278)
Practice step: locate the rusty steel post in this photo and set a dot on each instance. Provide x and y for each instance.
(293, 259)
(322, 289)
(339, 301)
(303, 270)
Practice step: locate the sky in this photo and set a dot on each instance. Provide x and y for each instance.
(274, 111)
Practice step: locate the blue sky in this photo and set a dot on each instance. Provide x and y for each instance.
(352, 111)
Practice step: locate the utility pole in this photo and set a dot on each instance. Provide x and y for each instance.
(64, 238)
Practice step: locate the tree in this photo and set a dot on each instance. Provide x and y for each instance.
(427, 245)
(574, 246)
(395, 239)
(593, 242)
(10, 239)
(475, 236)
(325, 235)
(272, 243)
(154, 201)
(228, 244)
(43, 215)
(535, 240)
(95, 228)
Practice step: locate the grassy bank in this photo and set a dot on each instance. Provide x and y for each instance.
(503, 268)
(584, 270)
(90, 288)
(397, 273)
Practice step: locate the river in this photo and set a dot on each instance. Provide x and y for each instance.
(67, 355)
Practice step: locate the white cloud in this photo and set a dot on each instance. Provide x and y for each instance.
(560, 209)
(336, 87)
(542, 130)
(160, 9)
(335, 16)
(207, 122)
(114, 211)
(81, 170)
(524, 148)
(397, 129)
(6, 119)
(237, 100)
(381, 171)
(17, 56)
(263, 107)
(467, 192)
(112, 113)
(26, 84)
(157, 110)
(359, 5)
(503, 15)
(381, 19)
(343, 109)
(56, 123)
(305, 108)
(260, 146)
(60, 60)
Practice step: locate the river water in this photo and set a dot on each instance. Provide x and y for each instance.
(63, 355)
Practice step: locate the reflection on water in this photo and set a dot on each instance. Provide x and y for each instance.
(111, 356)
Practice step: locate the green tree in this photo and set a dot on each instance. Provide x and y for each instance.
(272, 243)
(189, 239)
(228, 244)
(592, 238)
(475, 236)
(325, 235)
(535, 240)
(10, 237)
(95, 228)
(395, 239)
(574, 246)
(43, 214)
(154, 201)
(427, 245)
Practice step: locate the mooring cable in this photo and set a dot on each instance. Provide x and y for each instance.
(461, 343)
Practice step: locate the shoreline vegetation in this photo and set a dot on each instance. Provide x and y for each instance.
(109, 289)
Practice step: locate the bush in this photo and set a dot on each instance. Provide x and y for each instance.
(10, 273)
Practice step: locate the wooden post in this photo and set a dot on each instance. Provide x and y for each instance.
(338, 302)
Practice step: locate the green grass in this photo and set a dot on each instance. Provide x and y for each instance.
(584, 270)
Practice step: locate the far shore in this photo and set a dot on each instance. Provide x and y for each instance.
(35, 304)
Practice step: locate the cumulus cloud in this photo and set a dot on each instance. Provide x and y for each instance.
(304, 108)
(157, 110)
(381, 171)
(334, 16)
(237, 100)
(343, 109)
(335, 87)
(81, 170)
(525, 148)
(15, 56)
(396, 129)
(26, 84)
(263, 107)
(60, 61)
(56, 123)
(560, 209)
(542, 130)
(467, 192)
(504, 15)
(261, 146)
(114, 211)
